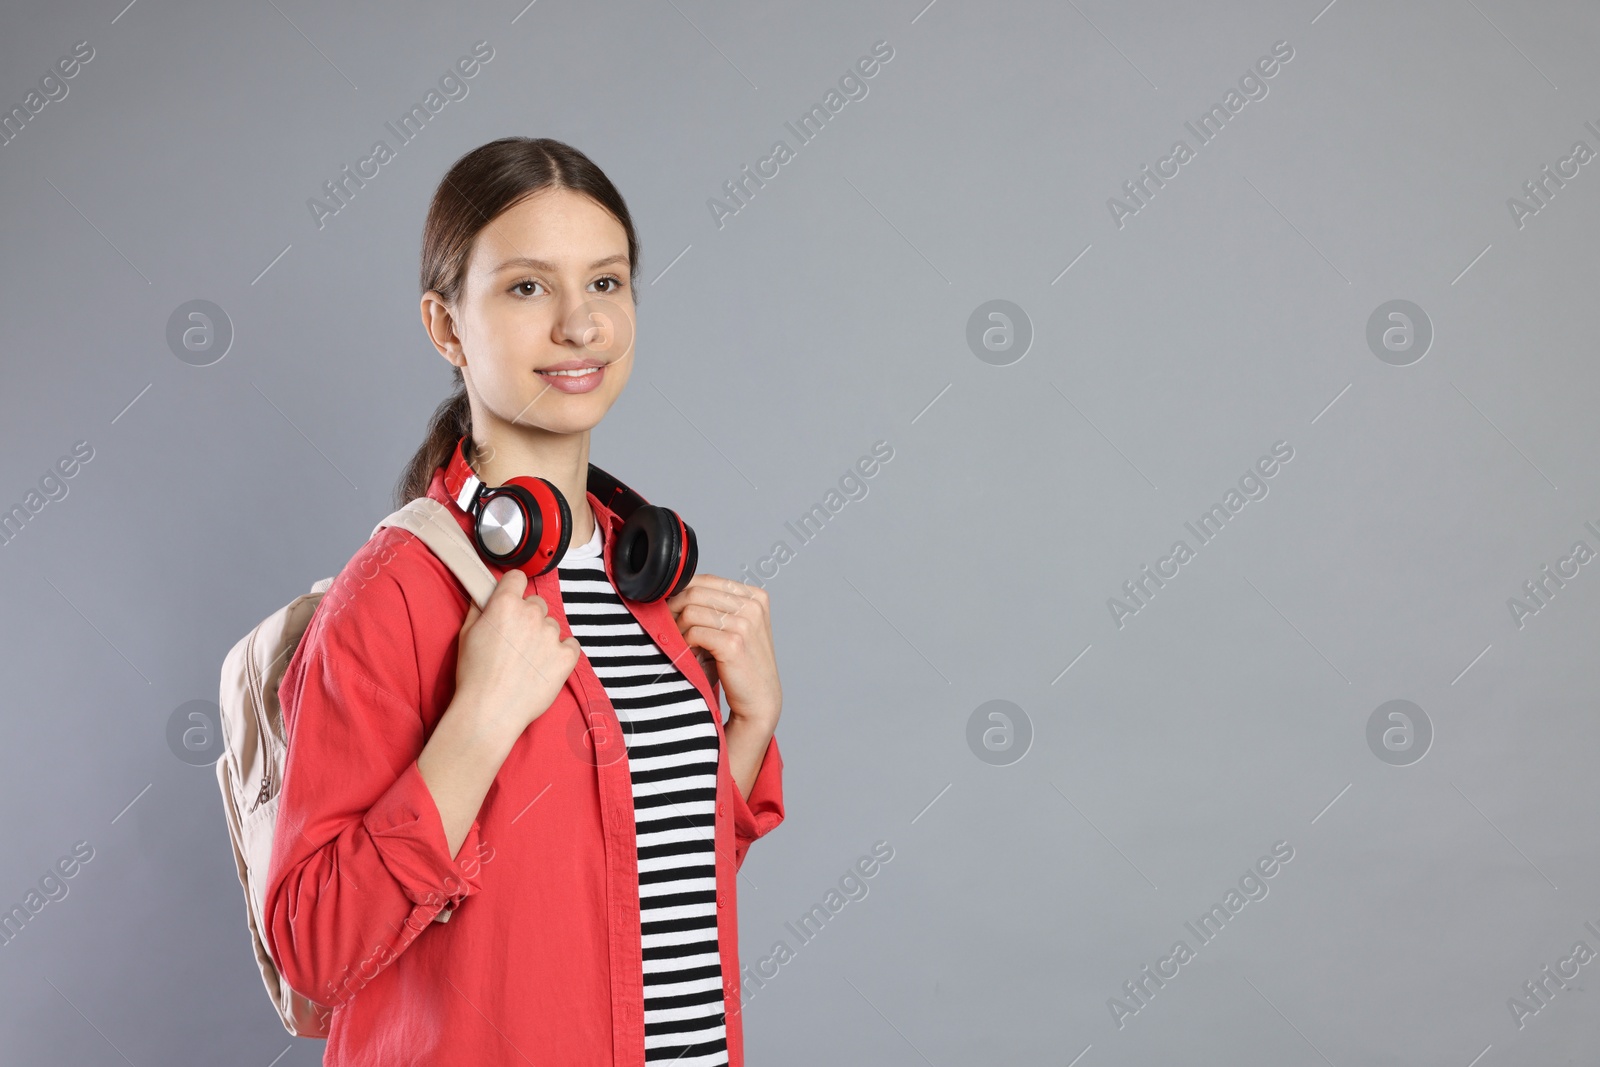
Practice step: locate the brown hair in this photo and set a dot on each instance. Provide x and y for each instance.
(477, 188)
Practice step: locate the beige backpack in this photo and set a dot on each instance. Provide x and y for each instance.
(250, 770)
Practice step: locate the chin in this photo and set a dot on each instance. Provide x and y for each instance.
(577, 417)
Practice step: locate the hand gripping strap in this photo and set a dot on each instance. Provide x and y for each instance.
(432, 522)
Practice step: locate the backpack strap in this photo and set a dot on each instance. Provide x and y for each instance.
(432, 522)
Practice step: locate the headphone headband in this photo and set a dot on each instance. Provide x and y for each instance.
(613, 494)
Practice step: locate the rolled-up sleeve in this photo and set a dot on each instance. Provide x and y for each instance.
(409, 835)
(757, 815)
(360, 862)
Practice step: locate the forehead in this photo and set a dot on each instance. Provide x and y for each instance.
(554, 229)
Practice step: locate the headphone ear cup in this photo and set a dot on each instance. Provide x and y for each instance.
(655, 555)
(565, 536)
(524, 523)
(691, 558)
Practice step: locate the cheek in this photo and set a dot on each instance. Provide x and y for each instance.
(625, 336)
(618, 373)
(499, 383)
(497, 347)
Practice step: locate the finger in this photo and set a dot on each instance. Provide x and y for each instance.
(512, 645)
(676, 601)
(732, 586)
(708, 665)
(513, 579)
(721, 644)
(704, 581)
(722, 595)
(733, 619)
(511, 586)
(724, 603)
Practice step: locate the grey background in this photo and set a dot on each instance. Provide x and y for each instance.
(831, 312)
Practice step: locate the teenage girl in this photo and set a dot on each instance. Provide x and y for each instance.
(512, 835)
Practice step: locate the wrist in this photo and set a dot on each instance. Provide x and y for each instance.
(471, 723)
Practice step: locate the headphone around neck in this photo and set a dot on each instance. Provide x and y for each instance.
(526, 523)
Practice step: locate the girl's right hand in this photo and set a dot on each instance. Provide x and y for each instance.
(512, 661)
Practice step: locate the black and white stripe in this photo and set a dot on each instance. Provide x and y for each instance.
(672, 757)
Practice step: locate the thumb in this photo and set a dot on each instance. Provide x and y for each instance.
(512, 584)
(708, 663)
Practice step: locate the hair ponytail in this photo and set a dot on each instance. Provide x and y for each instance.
(477, 188)
(451, 421)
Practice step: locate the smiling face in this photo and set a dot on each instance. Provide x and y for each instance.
(547, 288)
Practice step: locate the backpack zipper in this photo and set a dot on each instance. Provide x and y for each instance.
(262, 728)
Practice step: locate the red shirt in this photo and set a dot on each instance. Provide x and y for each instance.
(539, 961)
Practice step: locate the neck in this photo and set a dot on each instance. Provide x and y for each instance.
(522, 451)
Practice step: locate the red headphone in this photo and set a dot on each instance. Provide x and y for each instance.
(526, 523)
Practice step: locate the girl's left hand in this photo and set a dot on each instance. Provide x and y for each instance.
(729, 620)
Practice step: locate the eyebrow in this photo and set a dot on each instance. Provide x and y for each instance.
(540, 264)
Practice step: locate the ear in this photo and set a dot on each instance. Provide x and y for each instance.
(438, 319)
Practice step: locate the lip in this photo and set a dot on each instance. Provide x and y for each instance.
(568, 384)
(575, 364)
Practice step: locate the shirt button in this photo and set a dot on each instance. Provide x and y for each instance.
(722, 809)
(722, 899)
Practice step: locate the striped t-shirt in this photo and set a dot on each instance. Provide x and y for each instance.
(672, 758)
